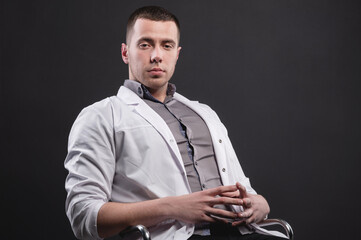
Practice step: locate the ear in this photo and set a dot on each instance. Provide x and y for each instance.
(178, 51)
(125, 53)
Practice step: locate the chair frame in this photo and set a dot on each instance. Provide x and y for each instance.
(138, 228)
(274, 221)
(268, 222)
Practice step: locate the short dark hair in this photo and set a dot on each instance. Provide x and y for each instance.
(153, 13)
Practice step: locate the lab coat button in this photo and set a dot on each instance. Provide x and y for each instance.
(223, 169)
(220, 140)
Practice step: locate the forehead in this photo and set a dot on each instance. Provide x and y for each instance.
(156, 30)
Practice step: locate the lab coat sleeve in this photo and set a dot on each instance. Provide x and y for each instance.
(91, 163)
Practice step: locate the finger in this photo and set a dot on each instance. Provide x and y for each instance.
(246, 214)
(221, 213)
(223, 220)
(247, 202)
(226, 201)
(242, 190)
(242, 222)
(207, 218)
(250, 220)
(238, 223)
(234, 194)
(222, 189)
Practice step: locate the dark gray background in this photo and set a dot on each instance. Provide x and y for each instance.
(284, 76)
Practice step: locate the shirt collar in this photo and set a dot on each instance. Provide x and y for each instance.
(144, 93)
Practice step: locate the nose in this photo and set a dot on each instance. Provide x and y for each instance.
(157, 55)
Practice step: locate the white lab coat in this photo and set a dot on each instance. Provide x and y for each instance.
(121, 150)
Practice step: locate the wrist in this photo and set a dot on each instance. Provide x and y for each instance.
(168, 207)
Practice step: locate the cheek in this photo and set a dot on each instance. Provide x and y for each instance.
(175, 57)
(137, 63)
(138, 57)
(173, 62)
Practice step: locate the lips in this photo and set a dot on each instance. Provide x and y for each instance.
(156, 70)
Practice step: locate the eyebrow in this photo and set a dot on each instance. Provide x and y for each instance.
(150, 40)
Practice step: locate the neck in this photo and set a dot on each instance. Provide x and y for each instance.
(158, 94)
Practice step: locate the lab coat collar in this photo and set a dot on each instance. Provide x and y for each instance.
(140, 107)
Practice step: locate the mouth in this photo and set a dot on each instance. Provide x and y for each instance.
(156, 70)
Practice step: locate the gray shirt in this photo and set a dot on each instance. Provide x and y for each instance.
(191, 133)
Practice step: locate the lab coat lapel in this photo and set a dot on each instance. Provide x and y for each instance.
(141, 108)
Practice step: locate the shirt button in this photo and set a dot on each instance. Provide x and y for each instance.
(220, 140)
(196, 163)
(223, 169)
(203, 186)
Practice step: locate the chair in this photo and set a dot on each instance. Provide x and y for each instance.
(140, 229)
(274, 221)
(143, 231)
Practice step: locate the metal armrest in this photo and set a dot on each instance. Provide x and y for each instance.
(268, 222)
(138, 228)
(286, 226)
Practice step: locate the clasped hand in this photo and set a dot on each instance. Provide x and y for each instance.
(199, 206)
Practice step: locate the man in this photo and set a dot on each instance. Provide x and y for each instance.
(150, 156)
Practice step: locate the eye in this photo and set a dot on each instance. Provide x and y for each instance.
(168, 46)
(144, 45)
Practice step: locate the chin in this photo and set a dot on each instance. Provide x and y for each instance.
(156, 83)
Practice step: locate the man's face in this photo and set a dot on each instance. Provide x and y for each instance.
(152, 52)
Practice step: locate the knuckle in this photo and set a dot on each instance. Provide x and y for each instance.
(219, 189)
